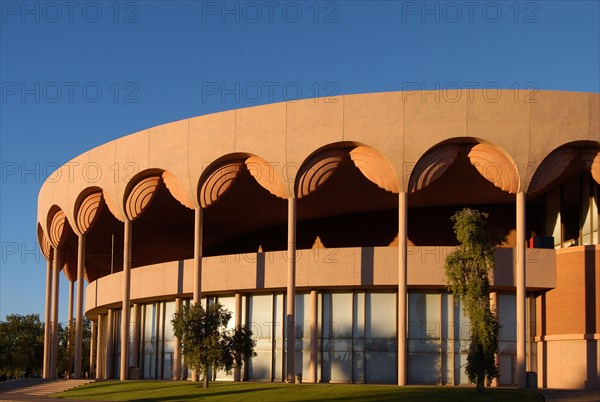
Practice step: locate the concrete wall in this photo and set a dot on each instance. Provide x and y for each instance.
(316, 268)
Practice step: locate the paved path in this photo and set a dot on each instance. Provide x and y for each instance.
(35, 389)
(563, 395)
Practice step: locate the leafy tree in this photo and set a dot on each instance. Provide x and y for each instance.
(66, 348)
(206, 342)
(467, 271)
(21, 345)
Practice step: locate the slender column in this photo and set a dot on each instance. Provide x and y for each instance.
(92, 372)
(451, 334)
(47, 323)
(177, 347)
(54, 346)
(125, 313)
(237, 371)
(521, 286)
(402, 267)
(291, 290)
(135, 344)
(109, 365)
(314, 347)
(79, 308)
(70, 355)
(100, 352)
(197, 296)
(197, 255)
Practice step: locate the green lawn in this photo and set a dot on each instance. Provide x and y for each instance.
(263, 392)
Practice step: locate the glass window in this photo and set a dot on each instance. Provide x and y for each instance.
(260, 319)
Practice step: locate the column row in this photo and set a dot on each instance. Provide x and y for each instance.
(51, 328)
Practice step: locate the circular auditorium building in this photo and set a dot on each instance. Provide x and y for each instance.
(324, 224)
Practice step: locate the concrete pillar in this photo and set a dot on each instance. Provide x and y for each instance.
(451, 340)
(521, 251)
(314, 347)
(92, 372)
(197, 296)
(197, 255)
(54, 344)
(291, 290)
(79, 308)
(237, 371)
(177, 347)
(109, 364)
(402, 288)
(48, 319)
(100, 352)
(135, 344)
(125, 313)
(70, 334)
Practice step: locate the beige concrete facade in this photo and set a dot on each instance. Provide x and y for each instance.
(351, 194)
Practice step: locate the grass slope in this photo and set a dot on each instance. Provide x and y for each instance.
(264, 392)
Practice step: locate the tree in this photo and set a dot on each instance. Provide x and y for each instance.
(206, 342)
(21, 345)
(467, 271)
(66, 348)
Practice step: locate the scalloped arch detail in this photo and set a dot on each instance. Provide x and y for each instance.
(264, 174)
(140, 196)
(44, 242)
(219, 181)
(318, 170)
(57, 228)
(432, 166)
(591, 159)
(70, 267)
(495, 167)
(551, 168)
(88, 211)
(177, 190)
(375, 168)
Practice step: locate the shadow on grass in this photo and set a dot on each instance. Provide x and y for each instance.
(265, 392)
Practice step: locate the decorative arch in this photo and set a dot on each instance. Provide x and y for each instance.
(492, 163)
(591, 160)
(141, 193)
(321, 164)
(264, 174)
(70, 267)
(221, 174)
(317, 169)
(57, 226)
(87, 209)
(44, 242)
(177, 189)
(556, 163)
(375, 168)
(495, 166)
(218, 180)
(432, 166)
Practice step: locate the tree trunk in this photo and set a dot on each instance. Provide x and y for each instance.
(480, 387)
(205, 385)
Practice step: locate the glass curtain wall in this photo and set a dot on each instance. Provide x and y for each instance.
(356, 337)
(359, 337)
(572, 212)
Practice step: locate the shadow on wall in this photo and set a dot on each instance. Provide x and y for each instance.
(591, 324)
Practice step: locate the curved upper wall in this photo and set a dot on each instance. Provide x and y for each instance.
(401, 126)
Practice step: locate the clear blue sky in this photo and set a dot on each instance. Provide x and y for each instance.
(76, 75)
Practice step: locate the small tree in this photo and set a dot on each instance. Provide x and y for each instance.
(467, 271)
(206, 342)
